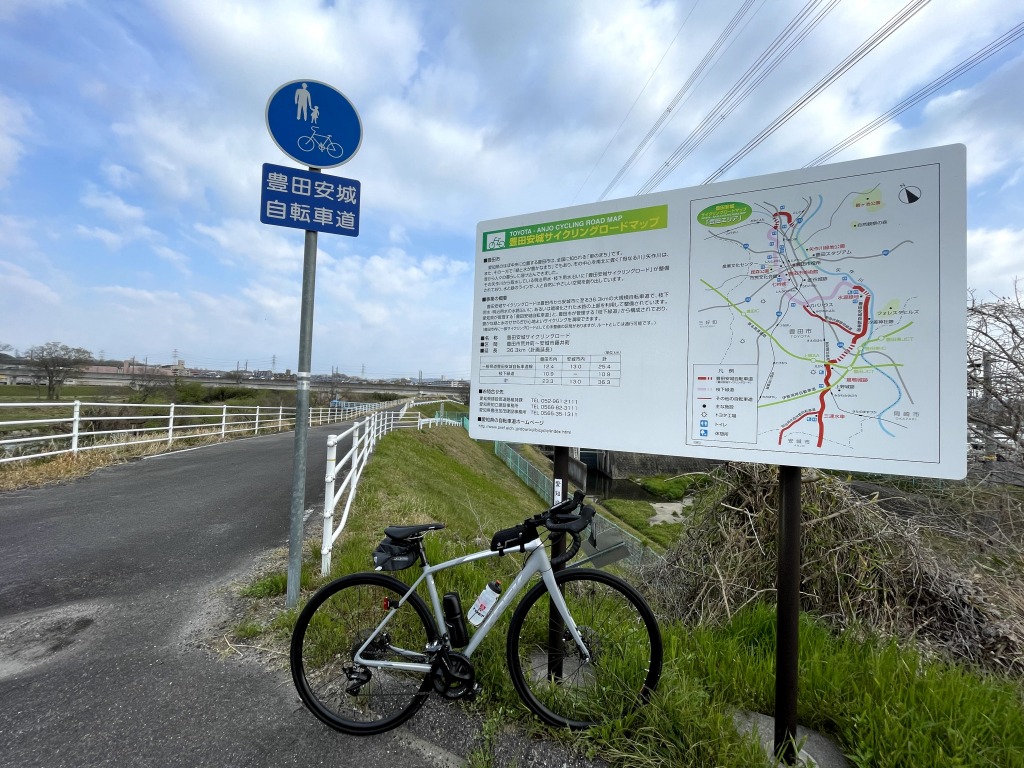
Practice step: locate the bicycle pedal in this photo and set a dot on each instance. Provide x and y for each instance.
(475, 691)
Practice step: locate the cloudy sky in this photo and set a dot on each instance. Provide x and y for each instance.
(132, 136)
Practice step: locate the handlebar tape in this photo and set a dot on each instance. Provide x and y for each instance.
(575, 524)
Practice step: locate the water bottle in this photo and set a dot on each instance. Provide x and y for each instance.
(484, 603)
(458, 635)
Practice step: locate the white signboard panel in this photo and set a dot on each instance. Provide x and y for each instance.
(810, 318)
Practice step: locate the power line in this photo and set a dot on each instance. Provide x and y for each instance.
(706, 62)
(781, 46)
(949, 76)
(636, 100)
(880, 35)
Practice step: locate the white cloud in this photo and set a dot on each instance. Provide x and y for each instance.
(994, 260)
(138, 295)
(118, 176)
(17, 282)
(113, 207)
(112, 240)
(250, 243)
(470, 111)
(175, 258)
(13, 128)
(16, 235)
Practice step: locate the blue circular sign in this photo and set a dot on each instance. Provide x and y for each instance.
(314, 124)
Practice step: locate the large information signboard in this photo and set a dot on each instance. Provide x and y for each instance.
(810, 318)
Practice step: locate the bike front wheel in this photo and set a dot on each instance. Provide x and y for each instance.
(334, 150)
(620, 631)
(335, 623)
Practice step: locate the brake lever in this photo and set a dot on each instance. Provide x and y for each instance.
(590, 512)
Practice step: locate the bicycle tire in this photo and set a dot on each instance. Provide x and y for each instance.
(623, 638)
(334, 150)
(336, 621)
(306, 143)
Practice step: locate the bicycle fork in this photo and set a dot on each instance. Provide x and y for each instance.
(559, 622)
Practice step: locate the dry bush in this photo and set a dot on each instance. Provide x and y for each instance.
(863, 567)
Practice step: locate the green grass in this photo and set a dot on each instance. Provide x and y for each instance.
(886, 706)
(675, 488)
(451, 410)
(26, 393)
(276, 584)
(636, 515)
(247, 630)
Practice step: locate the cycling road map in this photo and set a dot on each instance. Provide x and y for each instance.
(812, 318)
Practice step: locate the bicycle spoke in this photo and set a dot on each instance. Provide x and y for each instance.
(352, 696)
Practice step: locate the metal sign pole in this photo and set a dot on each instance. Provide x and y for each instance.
(301, 420)
(302, 117)
(788, 615)
(556, 629)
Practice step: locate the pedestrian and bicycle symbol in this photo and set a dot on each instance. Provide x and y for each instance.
(314, 124)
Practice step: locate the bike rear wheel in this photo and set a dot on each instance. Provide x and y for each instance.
(306, 143)
(621, 634)
(335, 623)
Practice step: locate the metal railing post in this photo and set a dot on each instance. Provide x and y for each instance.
(325, 549)
(280, 417)
(74, 427)
(170, 425)
(256, 430)
(224, 422)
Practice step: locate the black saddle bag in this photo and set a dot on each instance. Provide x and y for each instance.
(391, 555)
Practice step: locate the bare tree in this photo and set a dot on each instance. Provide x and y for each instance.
(146, 381)
(995, 349)
(56, 362)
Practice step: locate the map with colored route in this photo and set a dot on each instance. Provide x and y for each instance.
(814, 317)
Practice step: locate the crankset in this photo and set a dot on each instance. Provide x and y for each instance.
(453, 675)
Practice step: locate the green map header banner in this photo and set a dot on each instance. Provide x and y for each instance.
(583, 228)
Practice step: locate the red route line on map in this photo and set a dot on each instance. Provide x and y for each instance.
(828, 366)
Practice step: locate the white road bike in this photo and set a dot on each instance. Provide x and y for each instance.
(583, 646)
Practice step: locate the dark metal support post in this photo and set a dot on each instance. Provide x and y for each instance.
(556, 627)
(788, 615)
(301, 420)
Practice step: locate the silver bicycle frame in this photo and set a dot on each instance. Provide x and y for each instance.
(537, 562)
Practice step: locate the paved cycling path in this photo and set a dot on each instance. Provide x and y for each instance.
(110, 588)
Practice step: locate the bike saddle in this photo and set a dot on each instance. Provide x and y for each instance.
(406, 531)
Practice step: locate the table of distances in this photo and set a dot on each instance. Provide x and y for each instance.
(604, 370)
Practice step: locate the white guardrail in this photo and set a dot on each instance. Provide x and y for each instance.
(80, 426)
(365, 434)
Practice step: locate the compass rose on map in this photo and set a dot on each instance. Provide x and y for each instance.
(909, 194)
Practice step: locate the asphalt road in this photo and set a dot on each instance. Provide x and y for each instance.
(107, 588)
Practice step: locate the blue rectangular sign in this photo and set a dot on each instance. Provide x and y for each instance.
(312, 201)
